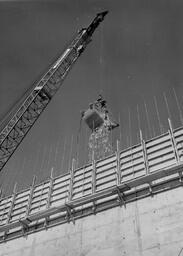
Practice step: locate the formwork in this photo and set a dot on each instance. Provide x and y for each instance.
(122, 201)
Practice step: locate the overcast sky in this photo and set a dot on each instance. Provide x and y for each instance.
(135, 55)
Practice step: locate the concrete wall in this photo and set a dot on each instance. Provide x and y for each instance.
(148, 227)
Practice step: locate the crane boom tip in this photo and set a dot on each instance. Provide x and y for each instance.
(98, 19)
(103, 13)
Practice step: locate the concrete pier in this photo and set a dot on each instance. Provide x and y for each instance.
(146, 227)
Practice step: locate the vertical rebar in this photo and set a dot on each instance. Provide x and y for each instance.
(148, 120)
(111, 141)
(118, 171)
(50, 189)
(174, 144)
(30, 196)
(178, 106)
(70, 157)
(78, 141)
(130, 128)
(1, 193)
(56, 149)
(167, 106)
(120, 135)
(37, 157)
(138, 118)
(153, 131)
(63, 155)
(143, 143)
(12, 203)
(72, 170)
(49, 156)
(43, 158)
(158, 116)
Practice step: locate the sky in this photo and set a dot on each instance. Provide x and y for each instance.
(135, 59)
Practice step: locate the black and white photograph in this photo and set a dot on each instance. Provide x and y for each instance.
(91, 128)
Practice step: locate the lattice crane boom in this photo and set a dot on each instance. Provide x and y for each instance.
(29, 111)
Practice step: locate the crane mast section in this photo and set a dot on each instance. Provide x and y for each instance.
(29, 111)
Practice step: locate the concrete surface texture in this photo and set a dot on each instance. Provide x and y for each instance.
(147, 227)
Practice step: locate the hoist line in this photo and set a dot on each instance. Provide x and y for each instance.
(101, 61)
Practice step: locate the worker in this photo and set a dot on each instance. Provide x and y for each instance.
(91, 105)
(100, 102)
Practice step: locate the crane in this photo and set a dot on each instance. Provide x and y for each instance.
(24, 117)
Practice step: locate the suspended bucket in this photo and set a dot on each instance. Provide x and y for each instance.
(93, 119)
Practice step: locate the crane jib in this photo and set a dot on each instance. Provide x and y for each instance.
(61, 58)
(43, 91)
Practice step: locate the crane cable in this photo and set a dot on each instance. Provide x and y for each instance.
(101, 61)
